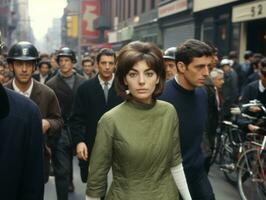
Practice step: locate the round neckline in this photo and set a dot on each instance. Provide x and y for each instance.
(142, 106)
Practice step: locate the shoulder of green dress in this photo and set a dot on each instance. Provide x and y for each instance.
(165, 104)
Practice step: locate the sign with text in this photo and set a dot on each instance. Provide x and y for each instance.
(172, 8)
(199, 5)
(90, 11)
(249, 11)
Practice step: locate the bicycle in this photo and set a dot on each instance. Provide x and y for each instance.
(252, 172)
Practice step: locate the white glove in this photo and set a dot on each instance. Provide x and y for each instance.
(92, 198)
(181, 182)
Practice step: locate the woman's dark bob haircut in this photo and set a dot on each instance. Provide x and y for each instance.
(132, 53)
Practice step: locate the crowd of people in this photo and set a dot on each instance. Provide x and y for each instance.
(146, 116)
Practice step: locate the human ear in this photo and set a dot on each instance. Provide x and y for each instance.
(11, 67)
(181, 67)
(125, 81)
(158, 80)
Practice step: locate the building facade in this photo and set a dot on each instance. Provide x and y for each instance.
(232, 24)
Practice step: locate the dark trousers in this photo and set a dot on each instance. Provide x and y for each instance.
(62, 156)
(84, 167)
(200, 187)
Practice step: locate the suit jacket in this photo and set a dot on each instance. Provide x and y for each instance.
(64, 93)
(47, 102)
(88, 108)
(21, 156)
(213, 113)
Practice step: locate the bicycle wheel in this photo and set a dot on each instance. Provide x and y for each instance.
(215, 156)
(252, 175)
(228, 159)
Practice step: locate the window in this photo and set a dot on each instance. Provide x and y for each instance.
(143, 6)
(128, 8)
(135, 7)
(153, 4)
(124, 9)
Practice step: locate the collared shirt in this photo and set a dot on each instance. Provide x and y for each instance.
(110, 82)
(27, 93)
(42, 78)
(261, 87)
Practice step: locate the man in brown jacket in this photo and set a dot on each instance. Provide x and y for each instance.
(22, 59)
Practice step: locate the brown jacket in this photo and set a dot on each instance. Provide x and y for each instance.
(47, 102)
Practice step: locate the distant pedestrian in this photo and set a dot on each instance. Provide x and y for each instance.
(169, 58)
(64, 84)
(88, 68)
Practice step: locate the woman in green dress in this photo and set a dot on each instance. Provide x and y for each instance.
(139, 138)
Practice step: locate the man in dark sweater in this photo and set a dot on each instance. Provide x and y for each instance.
(184, 92)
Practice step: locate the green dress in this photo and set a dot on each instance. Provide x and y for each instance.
(141, 143)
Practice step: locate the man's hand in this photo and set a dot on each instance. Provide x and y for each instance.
(45, 126)
(82, 151)
(254, 109)
(253, 128)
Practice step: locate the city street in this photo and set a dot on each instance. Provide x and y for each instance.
(222, 189)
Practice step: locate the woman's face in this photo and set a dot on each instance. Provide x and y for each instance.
(141, 81)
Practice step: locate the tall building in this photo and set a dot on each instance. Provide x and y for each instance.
(53, 36)
(24, 30)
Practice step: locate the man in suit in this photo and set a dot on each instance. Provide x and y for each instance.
(64, 84)
(93, 99)
(22, 59)
(44, 73)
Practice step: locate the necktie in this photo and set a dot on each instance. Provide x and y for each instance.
(105, 90)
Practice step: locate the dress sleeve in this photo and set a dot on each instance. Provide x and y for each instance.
(101, 159)
(176, 157)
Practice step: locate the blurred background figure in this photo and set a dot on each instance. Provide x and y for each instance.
(214, 106)
(44, 73)
(88, 69)
(170, 62)
(2, 72)
(230, 87)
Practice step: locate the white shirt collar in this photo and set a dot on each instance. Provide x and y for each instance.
(42, 78)
(110, 82)
(261, 87)
(27, 93)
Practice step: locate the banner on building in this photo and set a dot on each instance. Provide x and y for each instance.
(90, 11)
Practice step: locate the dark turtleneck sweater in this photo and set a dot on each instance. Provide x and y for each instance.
(191, 107)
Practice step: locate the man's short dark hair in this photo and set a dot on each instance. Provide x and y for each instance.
(192, 48)
(132, 53)
(105, 52)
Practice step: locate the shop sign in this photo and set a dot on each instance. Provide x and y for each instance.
(249, 11)
(199, 5)
(172, 8)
